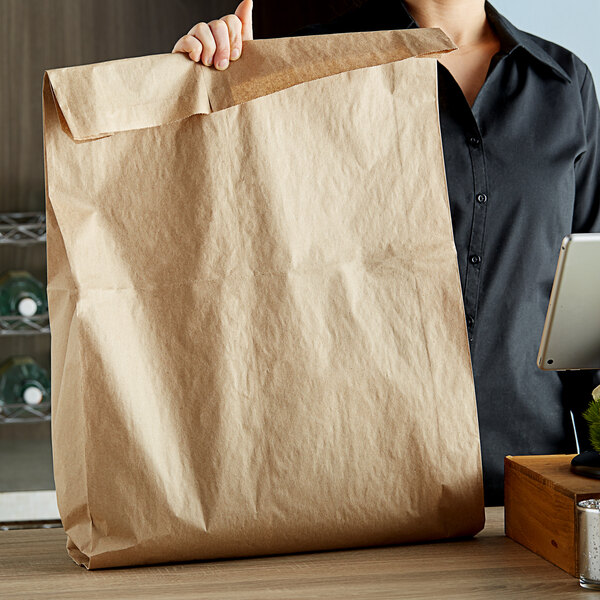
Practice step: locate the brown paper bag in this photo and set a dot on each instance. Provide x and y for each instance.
(258, 337)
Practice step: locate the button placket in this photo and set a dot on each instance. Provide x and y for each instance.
(475, 249)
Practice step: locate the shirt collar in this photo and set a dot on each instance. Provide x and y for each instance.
(511, 38)
(505, 29)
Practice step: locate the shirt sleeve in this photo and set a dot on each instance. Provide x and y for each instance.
(586, 217)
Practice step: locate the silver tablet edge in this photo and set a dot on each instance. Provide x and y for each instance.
(558, 275)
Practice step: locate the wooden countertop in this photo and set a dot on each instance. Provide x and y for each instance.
(34, 564)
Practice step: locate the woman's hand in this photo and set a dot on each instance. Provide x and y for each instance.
(219, 41)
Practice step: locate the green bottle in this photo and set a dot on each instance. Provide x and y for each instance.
(23, 381)
(22, 294)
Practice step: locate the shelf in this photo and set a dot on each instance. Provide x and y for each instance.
(22, 228)
(18, 325)
(23, 413)
(25, 509)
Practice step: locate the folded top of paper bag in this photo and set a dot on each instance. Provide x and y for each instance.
(102, 99)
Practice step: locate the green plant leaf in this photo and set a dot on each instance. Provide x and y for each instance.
(592, 416)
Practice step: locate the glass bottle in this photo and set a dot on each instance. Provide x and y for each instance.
(22, 294)
(23, 381)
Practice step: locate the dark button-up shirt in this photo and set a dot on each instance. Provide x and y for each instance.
(523, 170)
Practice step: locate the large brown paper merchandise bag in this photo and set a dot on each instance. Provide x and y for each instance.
(258, 337)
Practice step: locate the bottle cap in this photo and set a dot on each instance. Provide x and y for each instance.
(32, 395)
(27, 307)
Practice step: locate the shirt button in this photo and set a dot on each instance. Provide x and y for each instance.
(474, 141)
(481, 198)
(470, 321)
(475, 260)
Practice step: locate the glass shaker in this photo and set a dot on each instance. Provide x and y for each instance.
(588, 521)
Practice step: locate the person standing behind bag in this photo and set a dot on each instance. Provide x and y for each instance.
(520, 127)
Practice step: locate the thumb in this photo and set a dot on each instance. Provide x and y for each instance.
(244, 12)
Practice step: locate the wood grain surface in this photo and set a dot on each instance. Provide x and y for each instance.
(539, 514)
(541, 494)
(554, 471)
(34, 564)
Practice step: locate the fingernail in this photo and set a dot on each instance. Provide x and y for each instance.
(235, 53)
(223, 64)
(208, 62)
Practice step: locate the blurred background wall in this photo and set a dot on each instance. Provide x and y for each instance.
(573, 24)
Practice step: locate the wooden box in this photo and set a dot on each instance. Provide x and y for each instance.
(540, 498)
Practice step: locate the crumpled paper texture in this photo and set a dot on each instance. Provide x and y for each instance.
(258, 336)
